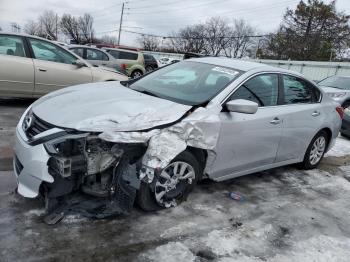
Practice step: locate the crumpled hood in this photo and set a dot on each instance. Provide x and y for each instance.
(106, 106)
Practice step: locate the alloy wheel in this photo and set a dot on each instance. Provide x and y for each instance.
(317, 150)
(172, 182)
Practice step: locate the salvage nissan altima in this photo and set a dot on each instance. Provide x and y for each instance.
(150, 140)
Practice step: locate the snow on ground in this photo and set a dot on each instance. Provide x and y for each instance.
(299, 216)
(341, 147)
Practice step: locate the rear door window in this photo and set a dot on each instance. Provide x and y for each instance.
(12, 45)
(128, 55)
(78, 51)
(298, 91)
(92, 54)
(114, 53)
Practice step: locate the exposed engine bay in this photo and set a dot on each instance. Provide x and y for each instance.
(108, 172)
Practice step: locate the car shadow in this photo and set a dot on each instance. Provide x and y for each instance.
(16, 102)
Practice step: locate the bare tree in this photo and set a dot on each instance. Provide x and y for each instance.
(106, 39)
(85, 24)
(239, 39)
(48, 25)
(79, 29)
(149, 43)
(70, 27)
(31, 28)
(216, 30)
(190, 39)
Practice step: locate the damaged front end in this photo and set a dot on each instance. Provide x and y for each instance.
(107, 173)
(98, 173)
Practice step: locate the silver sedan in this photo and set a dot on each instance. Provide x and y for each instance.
(151, 140)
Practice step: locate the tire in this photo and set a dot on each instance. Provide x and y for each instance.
(146, 196)
(309, 162)
(149, 68)
(136, 73)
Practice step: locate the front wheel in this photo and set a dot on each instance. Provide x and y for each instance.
(315, 151)
(172, 185)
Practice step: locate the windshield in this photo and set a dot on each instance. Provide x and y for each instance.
(336, 82)
(189, 83)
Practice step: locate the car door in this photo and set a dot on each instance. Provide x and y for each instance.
(302, 117)
(97, 57)
(249, 141)
(17, 69)
(55, 68)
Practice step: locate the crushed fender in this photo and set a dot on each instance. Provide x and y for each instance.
(200, 130)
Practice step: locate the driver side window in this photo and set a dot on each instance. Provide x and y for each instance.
(261, 89)
(49, 52)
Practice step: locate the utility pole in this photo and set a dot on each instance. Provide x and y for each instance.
(56, 27)
(120, 23)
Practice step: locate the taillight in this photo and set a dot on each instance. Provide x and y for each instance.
(340, 111)
(123, 66)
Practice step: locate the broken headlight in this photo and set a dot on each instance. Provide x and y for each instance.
(67, 155)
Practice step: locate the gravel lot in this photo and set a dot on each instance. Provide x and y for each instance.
(287, 215)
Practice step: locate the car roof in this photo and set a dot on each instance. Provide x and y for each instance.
(120, 49)
(242, 65)
(85, 46)
(26, 35)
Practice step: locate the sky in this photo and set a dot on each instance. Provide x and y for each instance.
(159, 17)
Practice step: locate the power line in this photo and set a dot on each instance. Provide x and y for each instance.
(181, 8)
(194, 38)
(231, 12)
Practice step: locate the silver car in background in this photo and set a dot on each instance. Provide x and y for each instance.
(32, 66)
(338, 88)
(95, 56)
(152, 139)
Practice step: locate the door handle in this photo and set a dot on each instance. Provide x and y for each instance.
(41, 69)
(316, 113)
(275, 121)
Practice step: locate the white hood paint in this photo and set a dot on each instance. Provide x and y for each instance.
(328, 89)
(106, 106)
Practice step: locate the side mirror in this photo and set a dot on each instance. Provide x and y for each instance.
(242, 106)
(80, 63)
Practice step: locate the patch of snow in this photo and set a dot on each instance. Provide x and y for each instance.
(341, 148)
(321, 249)
(177, 230)
(225, 242)
(74, 219)
(30, 232)
(35, 212)
(171, 252)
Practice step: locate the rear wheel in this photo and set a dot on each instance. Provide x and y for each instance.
(172, 185)
(315, 151)
(136, 74)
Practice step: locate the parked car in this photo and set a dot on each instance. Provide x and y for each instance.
(96, 56)
(132, 62)
(33, 66)
(150, 62)
(338, 88)
(166, 61)
(153, 141)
